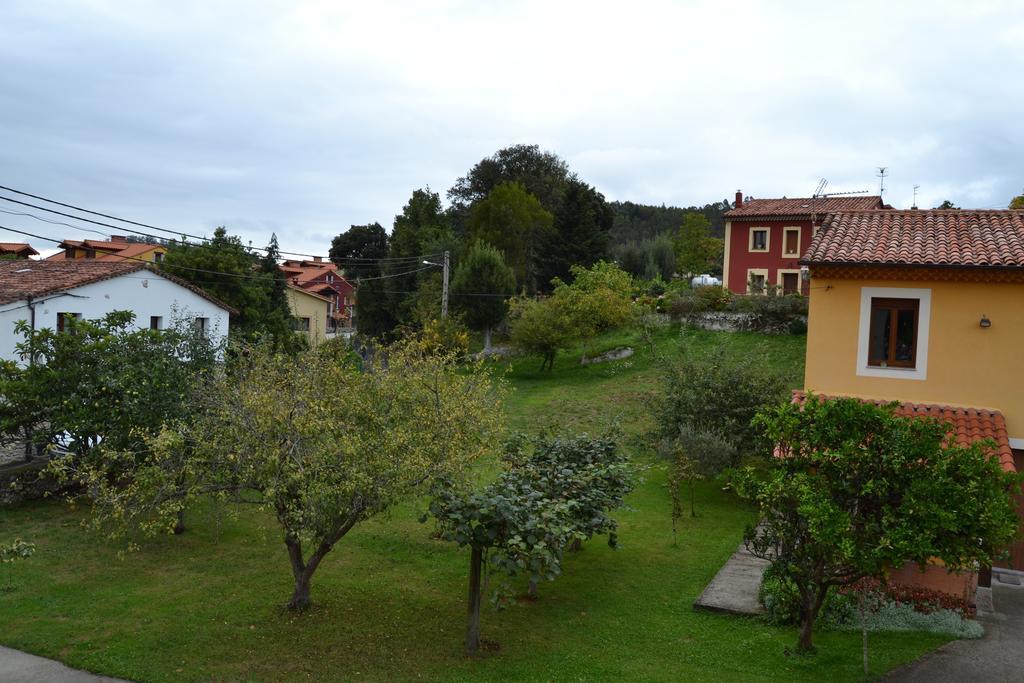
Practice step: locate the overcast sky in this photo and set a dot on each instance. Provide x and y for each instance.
(303, 118)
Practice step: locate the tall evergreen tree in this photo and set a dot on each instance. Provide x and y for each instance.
(359, 252)
(513, 220)
(421, 228)
(480, 289)
(580, 235)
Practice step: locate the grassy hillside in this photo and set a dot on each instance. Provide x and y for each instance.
(390, 601)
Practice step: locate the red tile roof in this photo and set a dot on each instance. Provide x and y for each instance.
(966, 424)
(803, 206)
(113, 250)
(17, 248)
(21, 279)
(965, 238)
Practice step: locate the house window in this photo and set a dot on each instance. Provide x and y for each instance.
(90, 253)
(892, 339)
(69, 252)
(63, 324)
(158, 257)
(757, 280)
(759, 239)
(156, 322)
(791, 242)
(202, 326)
(893, 332)
(304, 324)
(789, 281)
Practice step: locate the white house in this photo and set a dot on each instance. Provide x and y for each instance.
(46, 293)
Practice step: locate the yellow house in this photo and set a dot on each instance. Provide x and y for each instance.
(310, 311)
(925, 308)
(117, 248)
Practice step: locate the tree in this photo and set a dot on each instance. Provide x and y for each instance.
(542, 327)
(598, 299)
(579, 235)
(513, 220)
(481, 287)
(542, 174)
(854, 489)
(1017, 202)
(9, 554)
(417, 231)
(359, 252)
(694, 454)
(230, 271)
(320, 460)
(551, 494)
(946, 204)
(696, 251)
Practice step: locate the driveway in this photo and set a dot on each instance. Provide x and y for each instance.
(997, 656)
(21, 667)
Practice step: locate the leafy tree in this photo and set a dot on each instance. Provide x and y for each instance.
(321, 461)
(696, 251)
(1017, 202)
(946, 204)
(542, 327)
(855, 489)
(417, 231)
(359, 252)
(694, 454)
(9, 554)
(513, 220)
(554, 493)
(580, 232)
(230, 271)
(599, 298)
(481, 287)
(661, 259)
(542, 174)
(717, 395)
(640, 222)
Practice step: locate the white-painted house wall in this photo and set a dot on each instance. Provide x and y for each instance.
(142, 292)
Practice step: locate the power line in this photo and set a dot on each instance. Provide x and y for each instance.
(210, 272)
(177, 233)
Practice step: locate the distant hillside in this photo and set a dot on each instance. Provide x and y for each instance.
(638, 222)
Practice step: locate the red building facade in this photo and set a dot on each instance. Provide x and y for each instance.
(765, 239)
(324, 278)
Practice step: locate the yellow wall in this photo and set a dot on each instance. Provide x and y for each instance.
(305, 305)
(149, 255)
(967, 365)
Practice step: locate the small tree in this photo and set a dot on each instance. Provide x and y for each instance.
(481, 287)
(694, 454)
(696, 250)
(855, 489)
(542, 327)
(9, 554)
(598, 299)
(550, 495)
(1017, 202)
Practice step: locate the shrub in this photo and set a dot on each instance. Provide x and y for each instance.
(715, 395)
(772, 313)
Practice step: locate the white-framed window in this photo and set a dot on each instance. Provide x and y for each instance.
(757, 280)
(63, 318)
(759, 239)
(156, 322)
(791, 242)
(202, 326)
(892, 335)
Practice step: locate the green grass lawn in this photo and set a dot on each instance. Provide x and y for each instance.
(390, 601)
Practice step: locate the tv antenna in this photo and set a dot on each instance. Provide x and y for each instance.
(821, 188)
(916, 188)
(881, 179)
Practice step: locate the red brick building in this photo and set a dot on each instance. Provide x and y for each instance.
(765, 238)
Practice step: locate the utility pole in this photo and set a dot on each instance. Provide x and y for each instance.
(444, 287)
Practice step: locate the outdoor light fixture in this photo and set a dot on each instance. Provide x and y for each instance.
(985, 322)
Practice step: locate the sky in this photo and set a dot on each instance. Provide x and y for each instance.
(303, 118)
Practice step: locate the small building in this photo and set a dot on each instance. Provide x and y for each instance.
(19, 250)
(117, 248)
(311, 311)
(765, 238)
(326, 279)
(925, 308)
(46, 293)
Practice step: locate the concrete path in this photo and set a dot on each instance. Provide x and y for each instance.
(735, 587)
(21, 667)
(997, 656)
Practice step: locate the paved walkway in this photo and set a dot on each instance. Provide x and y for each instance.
(21, 667)
(736, 585)
(997, 656)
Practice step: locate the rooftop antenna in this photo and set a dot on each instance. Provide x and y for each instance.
(916, 188)
(881, 180)
(821, 188)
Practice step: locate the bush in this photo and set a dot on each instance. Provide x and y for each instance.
(716, 395)
(772, 313)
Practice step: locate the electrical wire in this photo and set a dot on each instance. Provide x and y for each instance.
(177, 233)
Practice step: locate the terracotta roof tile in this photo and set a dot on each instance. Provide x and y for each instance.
(17, 248)
(966, 424)
(966, 238)
(21, 279)
(804, 206)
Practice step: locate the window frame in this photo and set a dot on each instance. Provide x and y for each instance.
(920, 369)
(767, 240)
(789, 271)
(894, 305)
(757, 271)
(62, 316)
(156, 322)
(785, 232)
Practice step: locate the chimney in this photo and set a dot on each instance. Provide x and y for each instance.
(318, 259)
(739, 199)
(118, 238)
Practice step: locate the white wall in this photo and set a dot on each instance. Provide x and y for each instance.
(142, 292)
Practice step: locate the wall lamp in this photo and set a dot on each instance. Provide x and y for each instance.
(985, 322)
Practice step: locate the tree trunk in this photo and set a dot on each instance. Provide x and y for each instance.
(179, 523)
(810, 604)
(864, 626)
(473, 611)
(300, 596)
(532, 590)
(693, 513)
(487, 340)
